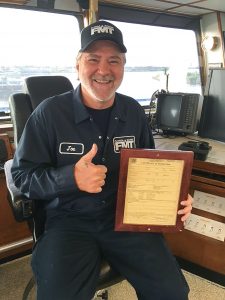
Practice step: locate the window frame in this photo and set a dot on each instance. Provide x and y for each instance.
(6, 119)
(122, 13)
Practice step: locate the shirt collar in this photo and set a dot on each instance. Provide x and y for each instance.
(82, 114)
(119, 108)
(80, 111)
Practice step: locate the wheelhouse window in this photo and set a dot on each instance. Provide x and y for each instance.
(35, 43)
(159, 58)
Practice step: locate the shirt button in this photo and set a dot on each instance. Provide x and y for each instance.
(116, 118)
(103, 202)
(91, 119)
(100, 137)
(107, 137)
(103, 159)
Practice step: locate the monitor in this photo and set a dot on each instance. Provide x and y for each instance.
(212, 121)
(177, 113)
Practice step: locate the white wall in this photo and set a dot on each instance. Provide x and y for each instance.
(209, 26)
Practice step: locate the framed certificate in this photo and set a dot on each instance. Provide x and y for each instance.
(152, 183)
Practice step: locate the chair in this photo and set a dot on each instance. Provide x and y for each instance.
(21, 105)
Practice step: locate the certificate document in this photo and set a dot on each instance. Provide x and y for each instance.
(152, 184)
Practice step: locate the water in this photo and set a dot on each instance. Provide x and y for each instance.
(142, 85)
(139, 85)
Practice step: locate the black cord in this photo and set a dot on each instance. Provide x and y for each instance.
(152, 114)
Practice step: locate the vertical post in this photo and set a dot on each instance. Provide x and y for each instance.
(93, 11)
(221, 37)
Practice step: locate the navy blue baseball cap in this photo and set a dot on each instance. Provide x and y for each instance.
(101, 30)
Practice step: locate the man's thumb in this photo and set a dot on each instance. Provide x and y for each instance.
(91, 154)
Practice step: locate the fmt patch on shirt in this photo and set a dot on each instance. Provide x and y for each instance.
(123, 142)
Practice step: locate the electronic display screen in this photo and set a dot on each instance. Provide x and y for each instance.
(177, 112)
(170, 110)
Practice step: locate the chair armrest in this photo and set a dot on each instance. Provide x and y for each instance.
(22, 207)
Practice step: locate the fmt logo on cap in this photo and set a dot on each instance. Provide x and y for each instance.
(102, 29)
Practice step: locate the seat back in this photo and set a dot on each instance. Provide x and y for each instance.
(20, 109)
(36, 89)
(42, 87)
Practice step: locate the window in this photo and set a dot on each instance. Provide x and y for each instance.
(159, 58)
(35, 43)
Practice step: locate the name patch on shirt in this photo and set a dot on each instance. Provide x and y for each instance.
(123, 142)
(71, 148)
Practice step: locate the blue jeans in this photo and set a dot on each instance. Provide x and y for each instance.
(66, 261)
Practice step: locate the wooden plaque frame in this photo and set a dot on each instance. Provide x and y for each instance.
(125, 185)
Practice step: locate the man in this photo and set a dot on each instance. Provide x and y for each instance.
(71, 167)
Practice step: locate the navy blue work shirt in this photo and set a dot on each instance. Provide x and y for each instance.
(58, 133)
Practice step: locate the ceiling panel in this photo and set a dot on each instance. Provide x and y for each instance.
(188, 7)
(143, 3)
(190, 10)
(158, 4)
(181, 2)
(215, 4)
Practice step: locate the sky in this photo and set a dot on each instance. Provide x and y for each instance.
(39, 38)
(160, 44)
(29, 37)
(32, 38)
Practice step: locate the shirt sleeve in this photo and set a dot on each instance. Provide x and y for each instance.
(34, 170)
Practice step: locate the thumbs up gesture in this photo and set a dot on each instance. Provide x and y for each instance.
(88, 176)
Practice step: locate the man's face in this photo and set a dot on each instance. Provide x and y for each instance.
(100, 70)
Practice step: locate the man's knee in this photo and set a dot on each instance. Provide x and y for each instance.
(65, 272)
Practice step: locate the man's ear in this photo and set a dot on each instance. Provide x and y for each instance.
(77, 66)
(77, 70)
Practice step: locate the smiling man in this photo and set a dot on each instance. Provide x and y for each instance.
(101, 72)
(72, 168)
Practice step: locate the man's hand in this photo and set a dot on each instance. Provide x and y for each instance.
(186, 211)
(88, 176)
